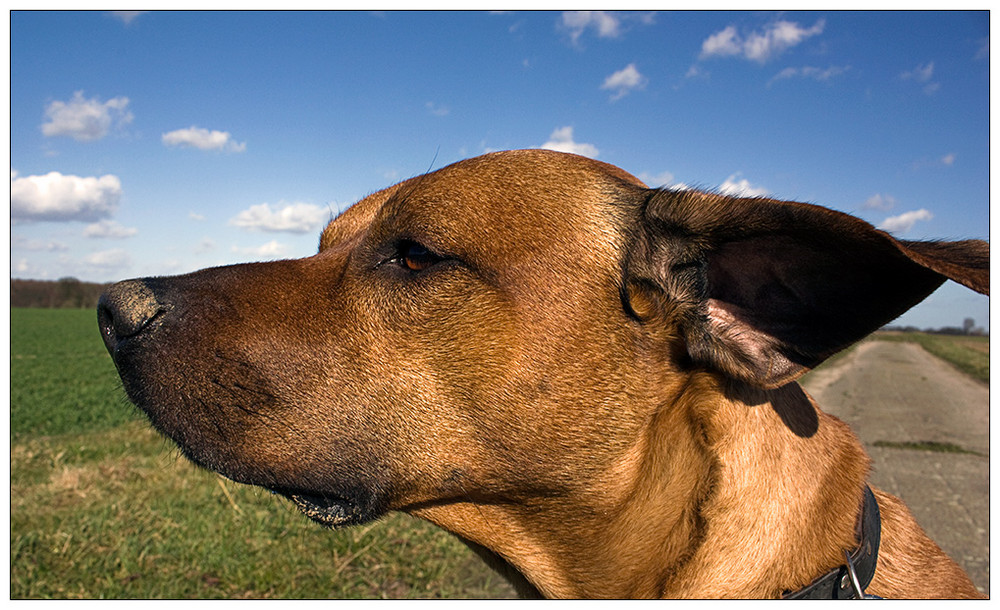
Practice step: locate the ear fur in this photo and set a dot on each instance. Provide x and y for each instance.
(764, 290)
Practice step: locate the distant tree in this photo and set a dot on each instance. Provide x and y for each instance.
(70, 293)
(65, 293)
(968, 325)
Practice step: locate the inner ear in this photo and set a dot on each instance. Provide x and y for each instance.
(782, 304)
(763, 290)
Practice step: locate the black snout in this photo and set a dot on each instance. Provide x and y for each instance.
(125, 310)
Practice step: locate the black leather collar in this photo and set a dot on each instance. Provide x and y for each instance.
(850, 580)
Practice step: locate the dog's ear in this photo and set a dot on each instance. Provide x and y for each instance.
(764, 290)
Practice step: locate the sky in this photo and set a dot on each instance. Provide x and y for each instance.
(163, 142)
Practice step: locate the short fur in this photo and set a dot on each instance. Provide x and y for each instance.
(589, 381)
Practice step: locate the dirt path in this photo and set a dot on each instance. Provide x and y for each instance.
(893, 393)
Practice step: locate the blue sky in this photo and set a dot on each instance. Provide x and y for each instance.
(164, 142)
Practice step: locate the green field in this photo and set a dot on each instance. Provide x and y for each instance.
(102, 507)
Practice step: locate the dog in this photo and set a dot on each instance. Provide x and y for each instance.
(590, 382)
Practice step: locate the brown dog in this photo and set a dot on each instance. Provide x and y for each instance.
(590, 382)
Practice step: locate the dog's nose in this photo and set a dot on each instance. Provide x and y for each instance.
(125, 309)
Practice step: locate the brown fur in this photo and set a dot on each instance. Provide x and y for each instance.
(588, 381)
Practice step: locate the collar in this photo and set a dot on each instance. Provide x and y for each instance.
(850, 580)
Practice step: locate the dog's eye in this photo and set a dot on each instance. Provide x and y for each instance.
(414, 257)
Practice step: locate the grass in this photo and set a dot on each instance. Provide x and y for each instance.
(62, 379)
(102, 507)
(932, 446)
(971, 355)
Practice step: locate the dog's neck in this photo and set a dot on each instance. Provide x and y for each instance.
(658, 522)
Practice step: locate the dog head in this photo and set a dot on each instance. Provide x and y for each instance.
(498, 330)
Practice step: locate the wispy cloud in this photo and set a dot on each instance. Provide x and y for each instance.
(126, 16)
(947, 160)
(61, 198)
(205, 245)
(623, 81)
(272, 249)
(289, 218)
(203, 139)
(905, 221)
(437, 109)
(85, 119)
(22, 243)
(562, 140)
(108, 260)
(109, 229)
(983, 51)
(878, 201)
(759, 45)
(923, 74)
(818, 74)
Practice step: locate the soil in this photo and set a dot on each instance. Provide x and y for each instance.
(926, 426)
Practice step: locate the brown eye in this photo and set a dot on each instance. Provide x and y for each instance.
(415, 257)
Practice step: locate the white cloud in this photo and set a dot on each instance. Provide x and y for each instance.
(812, 72)
(948, 159)
(196, 216)
(109, 229)
(606, 24)
(127, 16)
(904, 222)
(562, 140)
(657, 180)
(197, 137)
(623, 81)
(741, 187)
(878, 201)
(759, 46)
(724, 42)
(271, 249)
(85, 120)
(59, 198)
(21, 266)
(290, 218)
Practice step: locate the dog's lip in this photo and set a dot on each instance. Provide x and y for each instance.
(329, 510)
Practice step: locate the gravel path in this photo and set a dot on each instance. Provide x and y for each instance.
(893, 393)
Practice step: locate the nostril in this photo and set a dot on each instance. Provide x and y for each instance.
(125, 309)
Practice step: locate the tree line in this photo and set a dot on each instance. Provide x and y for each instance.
(64, 293)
